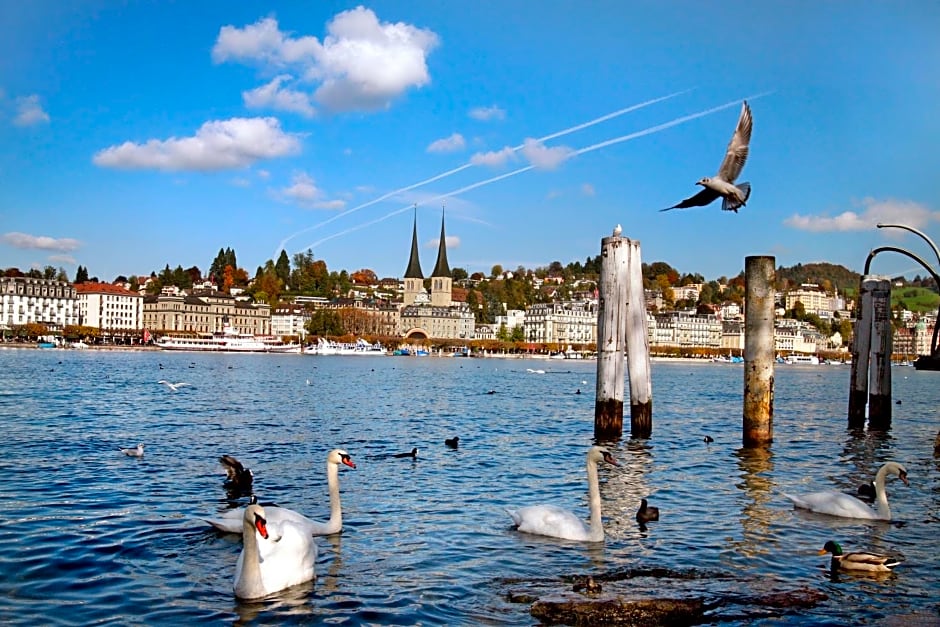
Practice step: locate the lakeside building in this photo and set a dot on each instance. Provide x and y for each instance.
(435, 315)
(564, 323)
(290, 320)
(25, 300)
(114, 310)
(204, 312)
(684, 329)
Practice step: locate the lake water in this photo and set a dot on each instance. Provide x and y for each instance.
(90, 536)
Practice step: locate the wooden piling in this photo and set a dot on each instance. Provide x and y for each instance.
(861, 353)
(759, 279)
(879, 397)
(638, 346)
(611, 323)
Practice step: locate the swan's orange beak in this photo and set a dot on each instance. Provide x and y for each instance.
(348, 461)
(903, 477)
(610, 459)
(262, 526)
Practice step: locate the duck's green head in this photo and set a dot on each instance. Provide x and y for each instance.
(831, 547)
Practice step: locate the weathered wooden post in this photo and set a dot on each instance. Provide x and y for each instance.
(879, 398)
(759, 278)
(611, 323)
(861, 354)
(638, 347)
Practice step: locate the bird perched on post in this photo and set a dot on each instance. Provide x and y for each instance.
(722, 184)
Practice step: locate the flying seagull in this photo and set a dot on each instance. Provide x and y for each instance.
(722, 184)
(173, 386)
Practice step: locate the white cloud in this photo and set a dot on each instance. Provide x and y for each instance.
(304, 191)
(448, 144)
(588, 190)
(542, 157)
(264, 43)
(273, 96)
(450, 241)
(263, 175)
(496, 158)
(330, 204)
(362, 64)
(66, 259)
(303, 188)
(29, 112)
(40, 242)
(873, 211)
(487, 113)
(217, 145)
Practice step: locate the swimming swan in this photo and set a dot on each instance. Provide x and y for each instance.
(266, 566)
(231, 521)
(548, 520)
(847, 506)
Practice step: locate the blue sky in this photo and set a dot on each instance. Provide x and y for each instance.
(140, 134)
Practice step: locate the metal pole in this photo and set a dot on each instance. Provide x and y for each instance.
(638, 347)
(759, 279)
(611, 323)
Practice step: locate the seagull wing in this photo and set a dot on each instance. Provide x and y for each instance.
(737, 148)
(701, 199)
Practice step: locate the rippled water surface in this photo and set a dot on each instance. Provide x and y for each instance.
(88, 535)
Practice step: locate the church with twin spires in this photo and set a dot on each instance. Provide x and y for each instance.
(435, 314)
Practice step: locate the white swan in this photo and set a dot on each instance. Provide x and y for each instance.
(847, 506)
(266, 566)
(549, 520)
(231, 520)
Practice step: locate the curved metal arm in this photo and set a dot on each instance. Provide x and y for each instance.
(936, 278)
(917, 232)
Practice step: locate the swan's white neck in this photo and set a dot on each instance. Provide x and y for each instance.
(594, 495)
(336, 508)
(249, 584)
(881, 498)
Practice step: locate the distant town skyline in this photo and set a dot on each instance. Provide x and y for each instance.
(320, 125)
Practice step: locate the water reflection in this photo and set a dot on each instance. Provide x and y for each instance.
(756, 467)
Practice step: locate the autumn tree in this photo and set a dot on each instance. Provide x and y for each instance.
(226, 257)
(364, 277)
(325, 322)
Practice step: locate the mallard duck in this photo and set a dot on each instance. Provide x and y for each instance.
(857, 560)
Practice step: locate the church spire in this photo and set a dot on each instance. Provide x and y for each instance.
(414, 265)
(441, 269)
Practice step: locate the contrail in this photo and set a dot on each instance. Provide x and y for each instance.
(581, 151)
(438, 177)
